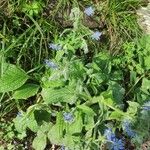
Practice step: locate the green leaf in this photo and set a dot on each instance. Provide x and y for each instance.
(77, 125)
(11, 78)
(133, 77)
(147, 62)
(41, 116)
(55, 135)
(145, 85)
(59, 55)
(32, 123)
(26, 91)
(71, 142)
(115, 115)
(104, 99)
(117, 90)
(86, 109)
(133, 108)
(40, 141)
(116, 75)
(20, 123)
(58, 95)
(89, 123)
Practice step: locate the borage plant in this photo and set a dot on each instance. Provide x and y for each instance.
(79, 103)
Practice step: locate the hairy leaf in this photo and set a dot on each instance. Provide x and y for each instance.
(58, 95)
(12, 78)
(26, 91)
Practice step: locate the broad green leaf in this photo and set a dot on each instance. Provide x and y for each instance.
(58, 95)
(37, 115)
(115, 115)
(53, 81)
(26, 91)
(32, 124)
(20, 123)
(46, 127)
(72, 142)
(117, 90)
(89, 123)
(55, 134)
(40, 141)
(77, 125)
(86, 109)
(12, 78)
(41, 116)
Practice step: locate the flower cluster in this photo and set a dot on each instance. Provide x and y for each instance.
(68, 117)
(55, 47)
(114, 142)
(127, 128)
(50, 64)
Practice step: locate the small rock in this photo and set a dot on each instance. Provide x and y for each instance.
(144, 18)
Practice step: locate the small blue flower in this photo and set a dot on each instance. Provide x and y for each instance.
(62, 147)
(109, 134)
(146, 106)
(68, 117)
(55, 47)
(118, 145)
(127, 129)
(89, 11)
(96, 35)
(50, 64)
(113, 143)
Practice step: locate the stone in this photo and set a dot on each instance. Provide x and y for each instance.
(144, 18)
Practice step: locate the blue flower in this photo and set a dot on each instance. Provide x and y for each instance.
(62, 147)
(118, 145)
(68, 117)
(55, 47)
(50, 64)
(89, 11)
(109, 134)
(127, 129)
(96, 35)
(146, 106)
(113, 143)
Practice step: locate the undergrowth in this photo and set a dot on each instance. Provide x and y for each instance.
(73, 75)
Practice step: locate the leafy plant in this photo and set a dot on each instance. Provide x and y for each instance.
(64, 86)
